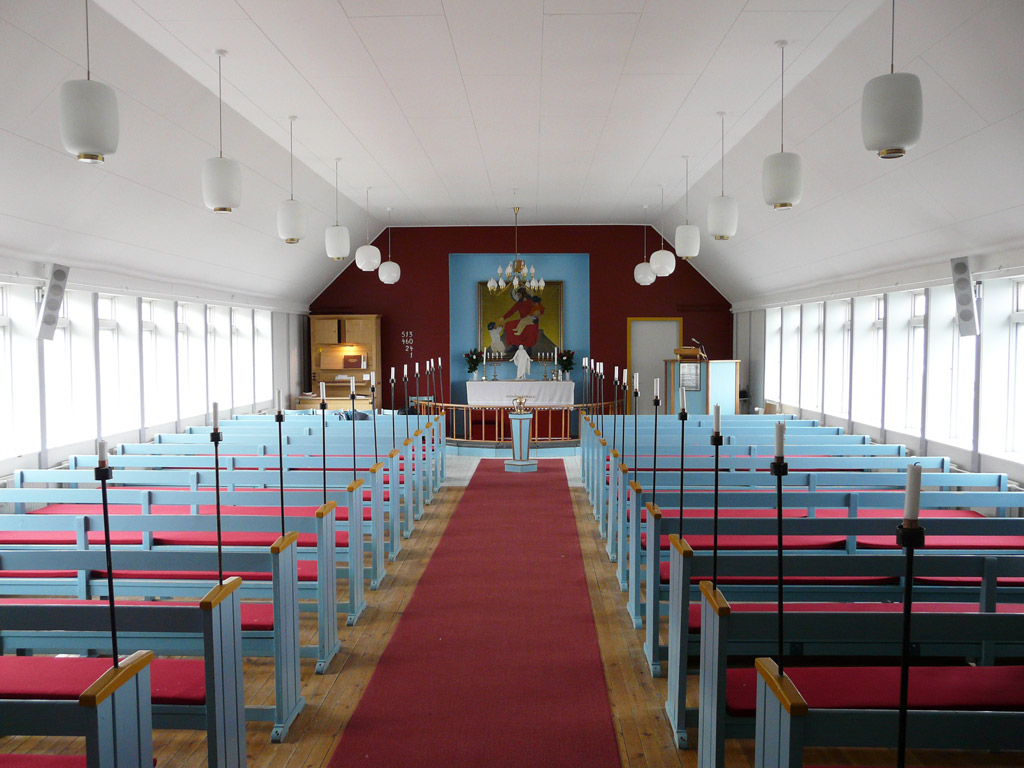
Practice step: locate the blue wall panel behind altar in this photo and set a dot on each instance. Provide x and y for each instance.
(465, 270)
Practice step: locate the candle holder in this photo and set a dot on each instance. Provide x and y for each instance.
(102, 473)
(352, 397)
(279, 418)
(779, 468)
(215, 437)
(494, 368)
(654, 460)
(909, 536)
(394, 418)
(417, 401)
(636, 444)
(323, 444)
(373, 415)
(405, 409)
(716, 442)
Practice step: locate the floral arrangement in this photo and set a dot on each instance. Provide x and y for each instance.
(565, 360)
(473, 359)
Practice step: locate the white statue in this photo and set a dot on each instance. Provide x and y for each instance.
(522, 360)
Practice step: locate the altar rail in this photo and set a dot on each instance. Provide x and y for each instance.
(490, 423)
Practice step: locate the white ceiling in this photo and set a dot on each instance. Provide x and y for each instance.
(444, 107)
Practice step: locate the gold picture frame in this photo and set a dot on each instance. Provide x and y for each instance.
(500, 316)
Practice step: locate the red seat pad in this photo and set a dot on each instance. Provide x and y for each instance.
(725, 513)
(368, 495)
(174, 681)
(64, 538)
(209, 539)
(256, 617)
(962, 688)
(947, 542)
(974, 581)
(767, 541)
(43, 761)
(919, 607)
(341, 513)
(306, 568)
(5, 574)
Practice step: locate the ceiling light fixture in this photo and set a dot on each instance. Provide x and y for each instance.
(222, 176)
(663, 262)
(723, 213)
(389, 272)
(291, 214)
(687, 235)
(336, 238)
(367, 256)
(782, 176)
(642, 272)
(891, 108)
(87, 113)
(516, 272)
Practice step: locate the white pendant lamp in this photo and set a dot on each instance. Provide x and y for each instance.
(87, 113)
(687, 235)
(891, 109)
(389, 272)
(336, 239)
(642, 272)
(367, 256)
(222, 176)
(723, 213)
(663, 263)
(291, 214)
(782, 176)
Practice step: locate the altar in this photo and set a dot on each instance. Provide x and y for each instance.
(540, 393)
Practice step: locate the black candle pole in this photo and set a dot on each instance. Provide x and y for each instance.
(103, 473)
(623, 387)
(323, 441)
(279, 418)
(405, 383)
(373, 415)
(654, 460)
(215, 438)
(417, 398)
(780, 469)
(716, 441)
(636, 430)
(909, 536)
(615, 416)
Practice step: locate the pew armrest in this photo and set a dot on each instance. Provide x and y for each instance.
(219, 593)
(680, 545)
(115, 677)
(284, 542)
(783, 688)
(715, 599)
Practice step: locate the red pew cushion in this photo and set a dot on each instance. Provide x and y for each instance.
(174, 681)
(967, 688)
(256, 617)
(306, 569)
(766, 541)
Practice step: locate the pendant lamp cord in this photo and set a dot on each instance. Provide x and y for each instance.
(220, 106)
(88, 59)
(366, 217)
(892, 41)
(389, 234)
(782, 103)
(644, 227)
(337, 215)
(686, 193)
(663, 217)
(723, 154)
(291, 158)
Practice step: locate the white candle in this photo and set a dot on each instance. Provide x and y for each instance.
(323, 391)
(405, 371)
(584, 362)
(625, 377)
(101, 452)
(439, 366)
(636, 382)
(417, 369)
(780, 439)
(392, 373)
(216, 417)
(373, 378)
(616, 373)
(485, 357)
(352, 385)
(718, 419)
(657, 388)
(912, 506)
(277, 400)
(556, 353)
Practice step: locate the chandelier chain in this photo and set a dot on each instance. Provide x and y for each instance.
(686, 193)
(366, 216)
(892, 41)
(389, 234)
(337, 215)
(88, 57)
(291, 158)
(220, 105)
(663, 217)
(782, 103)
(723, 154)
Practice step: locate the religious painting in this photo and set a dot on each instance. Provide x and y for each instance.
(519, 317)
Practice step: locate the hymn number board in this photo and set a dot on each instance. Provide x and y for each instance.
(407, 342)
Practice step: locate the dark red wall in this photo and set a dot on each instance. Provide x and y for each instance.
(419, 301)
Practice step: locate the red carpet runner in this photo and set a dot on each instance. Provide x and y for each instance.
(495, 661)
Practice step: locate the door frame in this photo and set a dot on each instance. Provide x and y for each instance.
(629, 338)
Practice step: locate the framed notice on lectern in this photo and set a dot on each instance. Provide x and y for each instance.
(689, 376)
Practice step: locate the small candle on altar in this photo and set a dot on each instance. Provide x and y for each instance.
(373, 378)
(625, 377)
(616, 375)
(392, 373)
(657, 388)
(780, 439)
(216, 416)
(584, 362)
(556, 353)
(439, 366)
(912, 505)
(101, 452)
(718, 419)
(405, 371)
(352, 386)
(417, 369)
(277, 400)
(485, 355)
(323, 392)
(636, 382)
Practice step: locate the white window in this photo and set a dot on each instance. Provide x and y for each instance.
(191, 359)
(915, 362)
(1015, 438)
(772, 353)
(264, 363)
(868, 353)
(119, 331)
(218, 351)
(791, 354)
(242, 357)
(6, 369)
(810, 355)
(837, 334)
(59, 373)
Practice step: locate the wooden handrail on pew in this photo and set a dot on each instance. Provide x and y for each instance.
(117, 728)
(114, 678)
(781, 687)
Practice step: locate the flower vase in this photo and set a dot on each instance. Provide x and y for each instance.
(476, 375)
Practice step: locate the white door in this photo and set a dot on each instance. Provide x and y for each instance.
(651, 342)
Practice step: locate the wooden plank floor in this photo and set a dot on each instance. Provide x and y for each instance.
(637, 701)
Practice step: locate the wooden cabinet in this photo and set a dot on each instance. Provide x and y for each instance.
(345, 346)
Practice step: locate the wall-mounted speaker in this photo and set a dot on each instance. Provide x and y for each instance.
(963, 290)
(53, 295)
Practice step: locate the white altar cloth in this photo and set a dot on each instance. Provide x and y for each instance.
(501, 392)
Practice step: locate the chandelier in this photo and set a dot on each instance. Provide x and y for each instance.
(516, 273)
